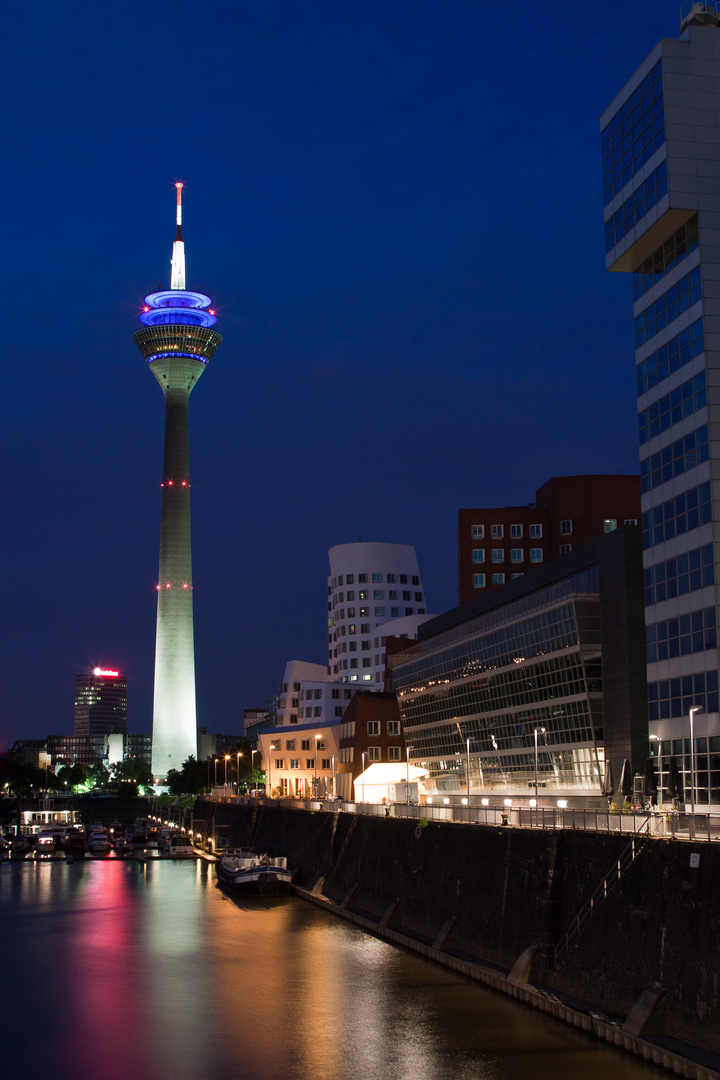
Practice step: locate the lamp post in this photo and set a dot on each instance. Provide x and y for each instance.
(693, 710)
(227, 758)
(407, 783)
(333, 777)
(467, 746)
(252, 765)
(363, 777)
(542, 730)
(270, 747)
(216, 763)
(315, 790)
(237, 775)
(495, 748)
(656, 738)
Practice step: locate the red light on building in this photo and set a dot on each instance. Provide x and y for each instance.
(106, 673)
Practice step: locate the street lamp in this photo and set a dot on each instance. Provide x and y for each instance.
(237, 777)
(363, 777)
(467, 744)
(315, 790)
(227, 758)
(271, 747)
(252, 765)
(657, 739)
(542, 730)
(693, 710)
(407, 783)
(499, 759)
(216, 763)
(333, 777)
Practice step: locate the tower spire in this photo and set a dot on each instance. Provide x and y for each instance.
(177, 276)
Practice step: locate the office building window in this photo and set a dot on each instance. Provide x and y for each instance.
(497, 532)
(403, 579)
(350, 579)
(674, 697)
(666, 258)
(377, 594)
(393, 727)
(393, 753)
(677, 516)
(498, 555)
(633, 135)
(338, 710)
(516, 532)
(535, 532)
(498, 579)
(367, 661)
(673, 461)
(318, 710)
(478, 532)
(683, 574)
(379, 612)
(668, 307)
(394, 613)
(609, 525)
(362, 579)
(514, 576)
(294, 763)
(516, 555)
(279, 763)
(391, 579)
(373, 727)
(691, 633)
(374, 753)
(565, 549)
(418, 598)
(325, 763)
(636, 207)
(392, 594)
(415, 579)
(630, 521)
(289, 744)
(672, 408)
(478, 555)
(478, 581)
(376, 578)
(566, 527)
(669, 358)
(408, 611)
(536, 555)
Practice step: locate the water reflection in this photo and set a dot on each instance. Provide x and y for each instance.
(147, 971)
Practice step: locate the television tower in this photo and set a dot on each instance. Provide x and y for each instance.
(177, 340)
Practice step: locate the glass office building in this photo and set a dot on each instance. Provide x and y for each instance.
(543, 680)
(660, 140)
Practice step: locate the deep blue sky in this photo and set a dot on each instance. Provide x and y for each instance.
(396, 207)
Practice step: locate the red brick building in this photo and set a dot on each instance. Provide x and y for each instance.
(371, 726)
(496, 545)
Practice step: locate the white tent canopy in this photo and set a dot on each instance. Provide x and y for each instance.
(373, 785)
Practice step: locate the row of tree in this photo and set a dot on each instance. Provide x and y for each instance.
(127, 777)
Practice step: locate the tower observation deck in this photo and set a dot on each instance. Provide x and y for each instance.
(177, 340)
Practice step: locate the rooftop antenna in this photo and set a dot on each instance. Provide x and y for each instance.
(177, 277)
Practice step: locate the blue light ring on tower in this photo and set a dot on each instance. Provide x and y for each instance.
(178, 298)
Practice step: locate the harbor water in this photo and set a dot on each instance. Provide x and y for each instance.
(119, 970)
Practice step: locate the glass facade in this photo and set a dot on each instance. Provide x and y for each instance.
(679, 298)
(706, 774)
(666, 258)
(672, 408)
(677, 516)
(674, 697)
(669, 358)
(691, 633)
(675, 459)
(683, 574)
(532, 663)
(633, 135)
(636, 207)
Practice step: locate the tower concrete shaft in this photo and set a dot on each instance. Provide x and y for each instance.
(177, 341)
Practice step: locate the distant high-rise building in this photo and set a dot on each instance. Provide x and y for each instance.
(177, 340)
(101, 702)
(497, 545)
(660, 139)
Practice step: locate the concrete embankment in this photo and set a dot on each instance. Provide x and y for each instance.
(480, 894)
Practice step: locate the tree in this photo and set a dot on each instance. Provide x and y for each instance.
(188, 780)
(131, 774)
(73, 776)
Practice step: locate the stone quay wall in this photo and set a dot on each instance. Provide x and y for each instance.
(491, 893)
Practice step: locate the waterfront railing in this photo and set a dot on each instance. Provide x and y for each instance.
(656, 822)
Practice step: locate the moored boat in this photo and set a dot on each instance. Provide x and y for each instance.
(243, 872)
(180, 847)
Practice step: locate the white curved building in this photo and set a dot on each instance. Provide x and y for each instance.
(370, 584)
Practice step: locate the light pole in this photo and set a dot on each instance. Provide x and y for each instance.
(333, 777)
(363, 777)
(270, 747)
(315, 791)
(467, 745)
(542, 730)
(656, 738)
(252, 765)
(227, 758)
(237, 777)
(693, 710)
(407, 782)
(216, 763)
(495, 748)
